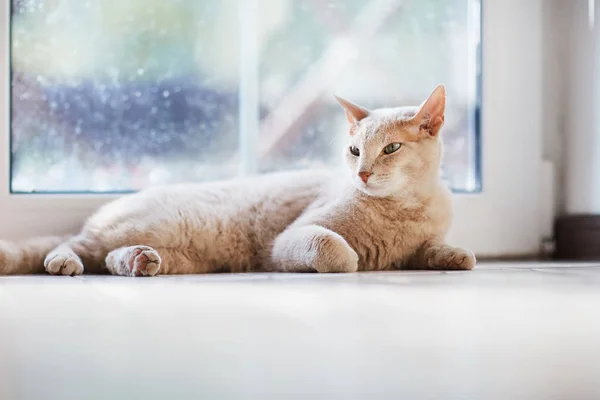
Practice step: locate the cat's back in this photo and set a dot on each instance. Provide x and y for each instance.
(277, 197)
(243, 192)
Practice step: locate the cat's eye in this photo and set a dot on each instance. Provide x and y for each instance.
(392, 147)
(354, 151)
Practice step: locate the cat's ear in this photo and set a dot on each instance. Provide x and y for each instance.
(354, 112)
(430, 116)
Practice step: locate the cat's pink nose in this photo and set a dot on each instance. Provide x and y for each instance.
(364, 175)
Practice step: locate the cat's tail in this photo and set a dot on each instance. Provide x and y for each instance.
(26, 257)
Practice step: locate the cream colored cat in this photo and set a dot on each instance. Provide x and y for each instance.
(390, 211)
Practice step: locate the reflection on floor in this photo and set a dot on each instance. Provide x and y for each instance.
(502, 331)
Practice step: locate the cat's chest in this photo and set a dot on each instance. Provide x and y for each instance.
(383, 241)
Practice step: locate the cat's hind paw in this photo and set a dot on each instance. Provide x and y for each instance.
(144, 262)
(134, 261)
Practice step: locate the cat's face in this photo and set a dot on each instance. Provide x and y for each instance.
(390, 149)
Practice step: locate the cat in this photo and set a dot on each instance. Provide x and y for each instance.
(390, 210)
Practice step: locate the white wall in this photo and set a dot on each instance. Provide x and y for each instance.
(581, 167)
(571, 122)
(557, 36)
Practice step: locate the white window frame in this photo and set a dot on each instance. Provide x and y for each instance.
(504, 219)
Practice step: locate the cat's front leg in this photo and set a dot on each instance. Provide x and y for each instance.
(313, 248)
(437, 255)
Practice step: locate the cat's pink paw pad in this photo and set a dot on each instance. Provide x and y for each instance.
(144, 261)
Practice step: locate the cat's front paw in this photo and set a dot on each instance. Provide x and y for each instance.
(451, 258)
(63, 264)
(335, 255)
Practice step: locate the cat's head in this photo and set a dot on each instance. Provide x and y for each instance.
(390, 150)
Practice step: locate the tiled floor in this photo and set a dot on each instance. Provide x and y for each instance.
(524, 331)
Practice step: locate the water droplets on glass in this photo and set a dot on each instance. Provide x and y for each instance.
(120, 95)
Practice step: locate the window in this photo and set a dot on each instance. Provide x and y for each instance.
(111, 96)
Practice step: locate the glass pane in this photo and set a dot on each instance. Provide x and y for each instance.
(376, 53)
(113, 95)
